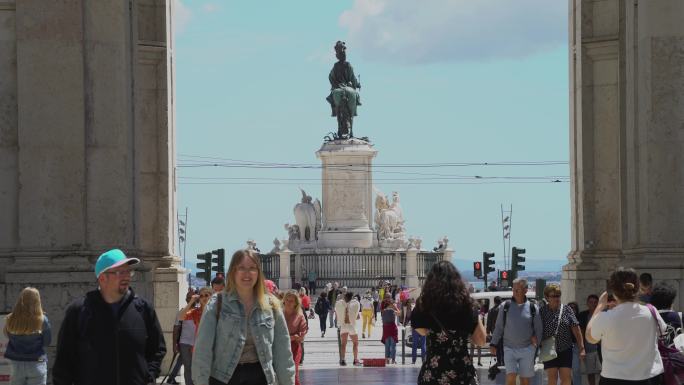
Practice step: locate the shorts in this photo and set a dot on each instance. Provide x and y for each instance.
(520, 360)
(563, 360)
(348, 329)
(590, 364)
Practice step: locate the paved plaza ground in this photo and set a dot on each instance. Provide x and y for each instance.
(321, 362)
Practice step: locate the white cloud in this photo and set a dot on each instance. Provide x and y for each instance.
(210, 7)
(181, 16)
(408, 31)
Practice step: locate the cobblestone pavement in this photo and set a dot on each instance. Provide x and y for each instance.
(321, 362)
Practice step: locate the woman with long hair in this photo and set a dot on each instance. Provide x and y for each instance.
(446, 315)
(322, 308)
(628, 334)
(390, 333)
(243, 336)
(29, 333)
(296, 325)
(194, 309)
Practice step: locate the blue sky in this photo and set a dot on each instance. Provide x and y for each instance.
(448, 81)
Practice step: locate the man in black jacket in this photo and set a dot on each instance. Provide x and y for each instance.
(110, 336)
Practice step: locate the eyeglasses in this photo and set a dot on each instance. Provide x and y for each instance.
(251, 270)
(121, 273)
(205, 295)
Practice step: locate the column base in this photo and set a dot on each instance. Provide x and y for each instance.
(362, 239)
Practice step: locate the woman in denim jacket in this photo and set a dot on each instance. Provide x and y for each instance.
(28, 330)
(242, 337)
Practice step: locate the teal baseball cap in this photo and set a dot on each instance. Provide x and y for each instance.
(111, 259)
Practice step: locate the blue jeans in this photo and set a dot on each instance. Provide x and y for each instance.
(28, 372)
(418, 342)
(576, 373)
(390, 348)
(333, 319)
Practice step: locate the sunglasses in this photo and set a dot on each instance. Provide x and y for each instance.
(205, 295)
(121, 273)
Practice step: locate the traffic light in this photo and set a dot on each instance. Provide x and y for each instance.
(477, 269)
(488, 262)
(205, 266)
(220, 261)
(504, 278)
(517, 261)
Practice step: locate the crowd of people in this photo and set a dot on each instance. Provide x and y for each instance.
(243, 330)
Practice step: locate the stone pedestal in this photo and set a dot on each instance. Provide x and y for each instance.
(626, 146)
(347, 195)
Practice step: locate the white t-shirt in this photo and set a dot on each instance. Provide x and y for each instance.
(187, 335)
(628, 342)
(366, 303)
(341, 307)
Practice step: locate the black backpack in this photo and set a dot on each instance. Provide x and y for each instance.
(318, 308)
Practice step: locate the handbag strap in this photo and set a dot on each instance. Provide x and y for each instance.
(655, 318)
(560, 313)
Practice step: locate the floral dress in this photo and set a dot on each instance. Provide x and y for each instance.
(448, 359)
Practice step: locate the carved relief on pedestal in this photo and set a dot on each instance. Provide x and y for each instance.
(346, 195)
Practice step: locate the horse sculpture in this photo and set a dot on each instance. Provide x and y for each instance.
(344, 93)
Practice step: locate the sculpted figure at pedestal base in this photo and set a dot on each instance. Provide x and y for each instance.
(308, 217)
(389, 220)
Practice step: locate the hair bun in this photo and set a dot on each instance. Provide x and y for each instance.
(629, 286)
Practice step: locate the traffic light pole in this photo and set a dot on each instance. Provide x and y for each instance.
(485, 285)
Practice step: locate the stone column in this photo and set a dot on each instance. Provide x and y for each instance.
(87, 149)
(397, 265)
(447, 255)
(626, 149)
(284, 281)
(347, 195)
(412, 267)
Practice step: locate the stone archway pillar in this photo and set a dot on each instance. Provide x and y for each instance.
(87, 149)
(626, 142)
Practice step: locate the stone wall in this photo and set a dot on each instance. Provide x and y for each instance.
(626, 142)
(87, 148)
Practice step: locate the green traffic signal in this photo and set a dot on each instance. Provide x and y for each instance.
(205, 266)
(220, 261)
(488, 263)
(518, 260)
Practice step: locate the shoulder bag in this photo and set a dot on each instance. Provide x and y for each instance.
(547, 351)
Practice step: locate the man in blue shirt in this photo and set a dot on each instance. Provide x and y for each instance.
(519, 324)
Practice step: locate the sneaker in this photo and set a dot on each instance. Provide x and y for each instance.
(342, 363)
(394, 362)
(322, 334)
(172, 381)
(357, 363)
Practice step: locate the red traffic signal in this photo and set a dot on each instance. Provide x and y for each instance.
(477, 269)
(504, 274)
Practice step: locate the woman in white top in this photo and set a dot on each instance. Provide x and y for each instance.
(627, 334)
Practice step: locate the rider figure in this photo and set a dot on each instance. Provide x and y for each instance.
(343, 87)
